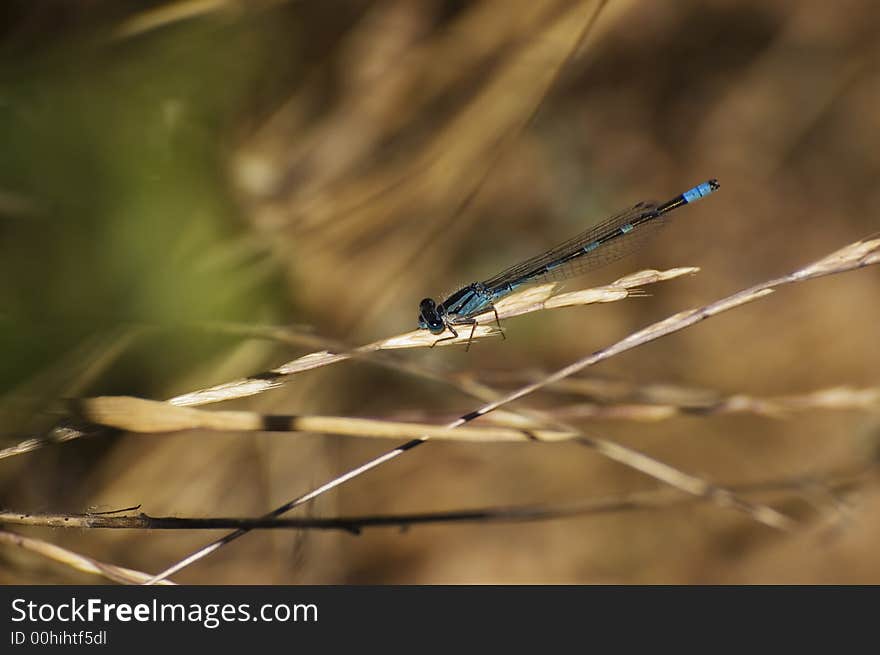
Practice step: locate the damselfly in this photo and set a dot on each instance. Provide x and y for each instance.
(610, 240)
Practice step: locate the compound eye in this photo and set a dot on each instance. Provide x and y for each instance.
(429, 317)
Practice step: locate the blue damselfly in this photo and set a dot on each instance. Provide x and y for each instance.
(612, 239)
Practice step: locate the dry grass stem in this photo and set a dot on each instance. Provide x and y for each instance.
(778, 407)
(151, 416)
(170, 14)
(68, 557)
(544, 296)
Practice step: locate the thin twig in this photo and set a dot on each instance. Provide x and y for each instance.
(833, 483)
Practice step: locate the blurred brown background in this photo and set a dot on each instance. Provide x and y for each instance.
(168, 168)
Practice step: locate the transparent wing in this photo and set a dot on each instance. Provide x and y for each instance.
(606, 242)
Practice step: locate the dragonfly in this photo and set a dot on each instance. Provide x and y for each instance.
(602, 244)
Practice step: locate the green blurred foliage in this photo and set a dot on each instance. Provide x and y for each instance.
(117, 210)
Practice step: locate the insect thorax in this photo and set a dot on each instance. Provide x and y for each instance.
(467, 301)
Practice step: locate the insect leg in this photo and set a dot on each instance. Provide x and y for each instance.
(451, 329)
(498, 322)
